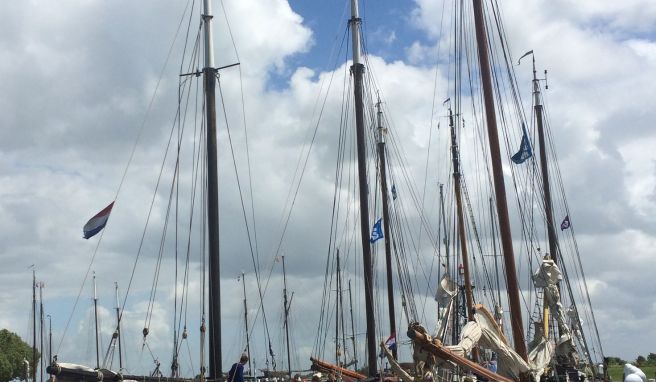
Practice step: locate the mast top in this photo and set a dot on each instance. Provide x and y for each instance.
(355, 31)
(209, 43)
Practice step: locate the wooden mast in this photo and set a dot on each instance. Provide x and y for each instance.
(499, 184)
(358, 69)
(457, 188)
(209, 77)
(386, 221)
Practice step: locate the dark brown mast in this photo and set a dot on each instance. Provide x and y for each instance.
(457, 188)
(386, 220)
(209, 76)
(358, 70)
(499, 184)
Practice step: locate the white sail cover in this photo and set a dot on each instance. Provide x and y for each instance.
(632, 373)
(547, 277)
(509, 363)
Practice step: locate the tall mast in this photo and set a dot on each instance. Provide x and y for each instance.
(284, 281)
(248, 342)
(355, 351)
(457, 188)
(95, 313)
(358, 70)
(499, 184)
(118, 329)
(386, 220)
(209, 77)
(33, 325)
(544, 168)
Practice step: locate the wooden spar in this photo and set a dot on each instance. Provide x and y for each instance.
(358, 69)
(386, 223)
(284, 280)
(209, 76)
(443, 353)
(325, 366)
(499, 184)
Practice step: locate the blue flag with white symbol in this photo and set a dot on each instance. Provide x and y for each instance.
(525, 150)
(377, 231)
(565, 224)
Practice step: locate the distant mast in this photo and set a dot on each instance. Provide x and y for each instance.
(33, 325)
(358, 69)
(284, 280)
(214, 322)
(499, 184)
(118, 329)
(95, 313)
(248, 342)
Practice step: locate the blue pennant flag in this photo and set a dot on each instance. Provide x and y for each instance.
(565, 224)
(377, 231)
(525, 150)
(393, 192)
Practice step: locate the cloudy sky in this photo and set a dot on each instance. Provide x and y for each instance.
(78, 80)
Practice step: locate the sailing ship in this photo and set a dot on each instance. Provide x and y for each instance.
(472, 340)
(210, 329)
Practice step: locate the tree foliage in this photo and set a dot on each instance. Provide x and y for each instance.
(13, 350)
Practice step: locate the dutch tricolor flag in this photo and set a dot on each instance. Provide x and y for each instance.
(390, 344)
(98, 222)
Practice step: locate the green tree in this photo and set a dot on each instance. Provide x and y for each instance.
(651, 358)
(13, 350)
